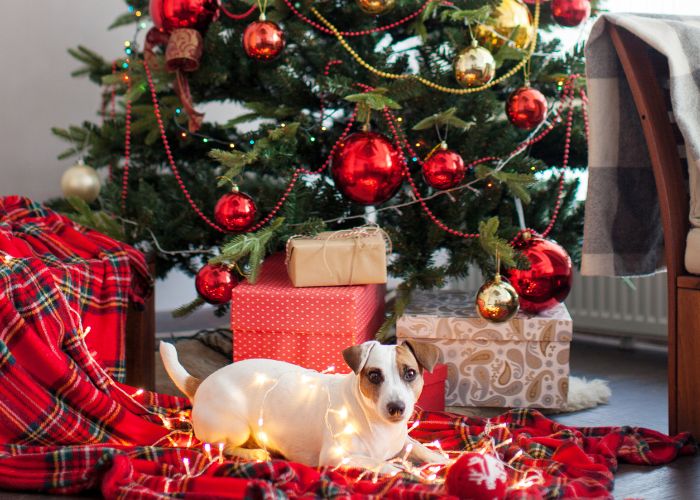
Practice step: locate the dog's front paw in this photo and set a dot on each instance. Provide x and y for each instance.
(253, 454)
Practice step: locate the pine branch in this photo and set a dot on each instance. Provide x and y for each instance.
(492, 244)
(189, 308)
(250, 245)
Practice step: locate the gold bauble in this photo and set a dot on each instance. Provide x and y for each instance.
(376, 7)
(512, 21)
(497, 300)
(474, 66)
(82, 181)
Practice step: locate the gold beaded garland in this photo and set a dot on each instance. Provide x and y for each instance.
(425, 81)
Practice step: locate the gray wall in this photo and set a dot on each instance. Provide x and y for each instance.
(36, 89)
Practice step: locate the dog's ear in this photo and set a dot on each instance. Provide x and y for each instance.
(426, 354)
(356, 356)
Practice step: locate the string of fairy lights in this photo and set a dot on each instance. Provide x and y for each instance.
(181, 434)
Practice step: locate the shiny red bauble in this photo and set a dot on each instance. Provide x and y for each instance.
(548, 281)
(263, 40)
(169, 15)
(235, 211)
(366, 168)
(477, 476)
(444, 170)
(526, 108)
(570, 12)
(214, 283)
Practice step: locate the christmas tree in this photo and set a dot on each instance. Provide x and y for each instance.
(309, 75)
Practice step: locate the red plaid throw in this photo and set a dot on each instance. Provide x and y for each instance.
(70, 427)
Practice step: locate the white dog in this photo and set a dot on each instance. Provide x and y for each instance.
(258, 406)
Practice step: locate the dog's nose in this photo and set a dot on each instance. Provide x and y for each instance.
(396, 408)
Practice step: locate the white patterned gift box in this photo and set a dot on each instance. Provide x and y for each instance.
(523, 362)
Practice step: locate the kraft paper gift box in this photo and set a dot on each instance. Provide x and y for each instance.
(523, 362)
(306, 326)
(336, 258)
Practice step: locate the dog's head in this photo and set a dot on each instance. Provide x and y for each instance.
(391, 377)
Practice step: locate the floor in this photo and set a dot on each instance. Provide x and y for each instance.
(638, 382)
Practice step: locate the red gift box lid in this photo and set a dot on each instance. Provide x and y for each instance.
(274, 304)
(438, 375)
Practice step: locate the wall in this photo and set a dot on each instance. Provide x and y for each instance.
(37, 90)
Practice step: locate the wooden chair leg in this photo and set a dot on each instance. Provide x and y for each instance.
(141, 342)
(688, 360)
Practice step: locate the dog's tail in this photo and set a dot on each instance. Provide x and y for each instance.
(183, 380)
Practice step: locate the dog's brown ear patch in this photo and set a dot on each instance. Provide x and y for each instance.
(426, 354)
(356, 356)
(405, 359)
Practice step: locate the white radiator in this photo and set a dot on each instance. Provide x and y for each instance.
(609, 306)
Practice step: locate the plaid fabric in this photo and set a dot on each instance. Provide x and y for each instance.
(58, 269)
(574, 462)
(69, 427)
(622, 227)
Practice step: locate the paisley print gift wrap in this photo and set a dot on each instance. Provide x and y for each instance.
(523, 362)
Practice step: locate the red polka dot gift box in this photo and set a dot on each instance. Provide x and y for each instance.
(306, 326)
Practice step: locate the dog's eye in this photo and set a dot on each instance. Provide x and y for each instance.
(409, 374)
(375, 377)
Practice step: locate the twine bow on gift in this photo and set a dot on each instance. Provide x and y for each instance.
(182, 55)
(359, 237)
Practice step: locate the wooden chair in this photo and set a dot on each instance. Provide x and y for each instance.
(642, 69)
(141, 342)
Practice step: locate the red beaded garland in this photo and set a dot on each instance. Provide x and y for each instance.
(549, 279)
(235, 211)
(526, 108)
(214, 283)
(367, 169)
(378, 29)
(169, 15)
(570, 12)
(263, 40)
(444, 169)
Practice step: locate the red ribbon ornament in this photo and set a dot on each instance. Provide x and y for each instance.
(183, 52)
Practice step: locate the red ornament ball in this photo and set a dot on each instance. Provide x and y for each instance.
(169, 15)
(477, 476)
(366, 168)
(263, 40)
(570, 12)
(444, 170)
(235, 211)
(214, 283)
(548, 281)
(526, 108)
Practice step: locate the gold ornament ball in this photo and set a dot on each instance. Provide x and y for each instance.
(511, 20)
(474, 66)
(376, 7)
(82, 181)
(497, 300)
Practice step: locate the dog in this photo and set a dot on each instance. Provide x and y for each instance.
(260, 406)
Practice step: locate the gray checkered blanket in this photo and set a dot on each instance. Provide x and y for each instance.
(622, 229)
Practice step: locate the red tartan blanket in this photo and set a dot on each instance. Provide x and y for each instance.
(69, 426)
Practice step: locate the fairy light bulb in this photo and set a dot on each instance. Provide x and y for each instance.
(260, 378)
